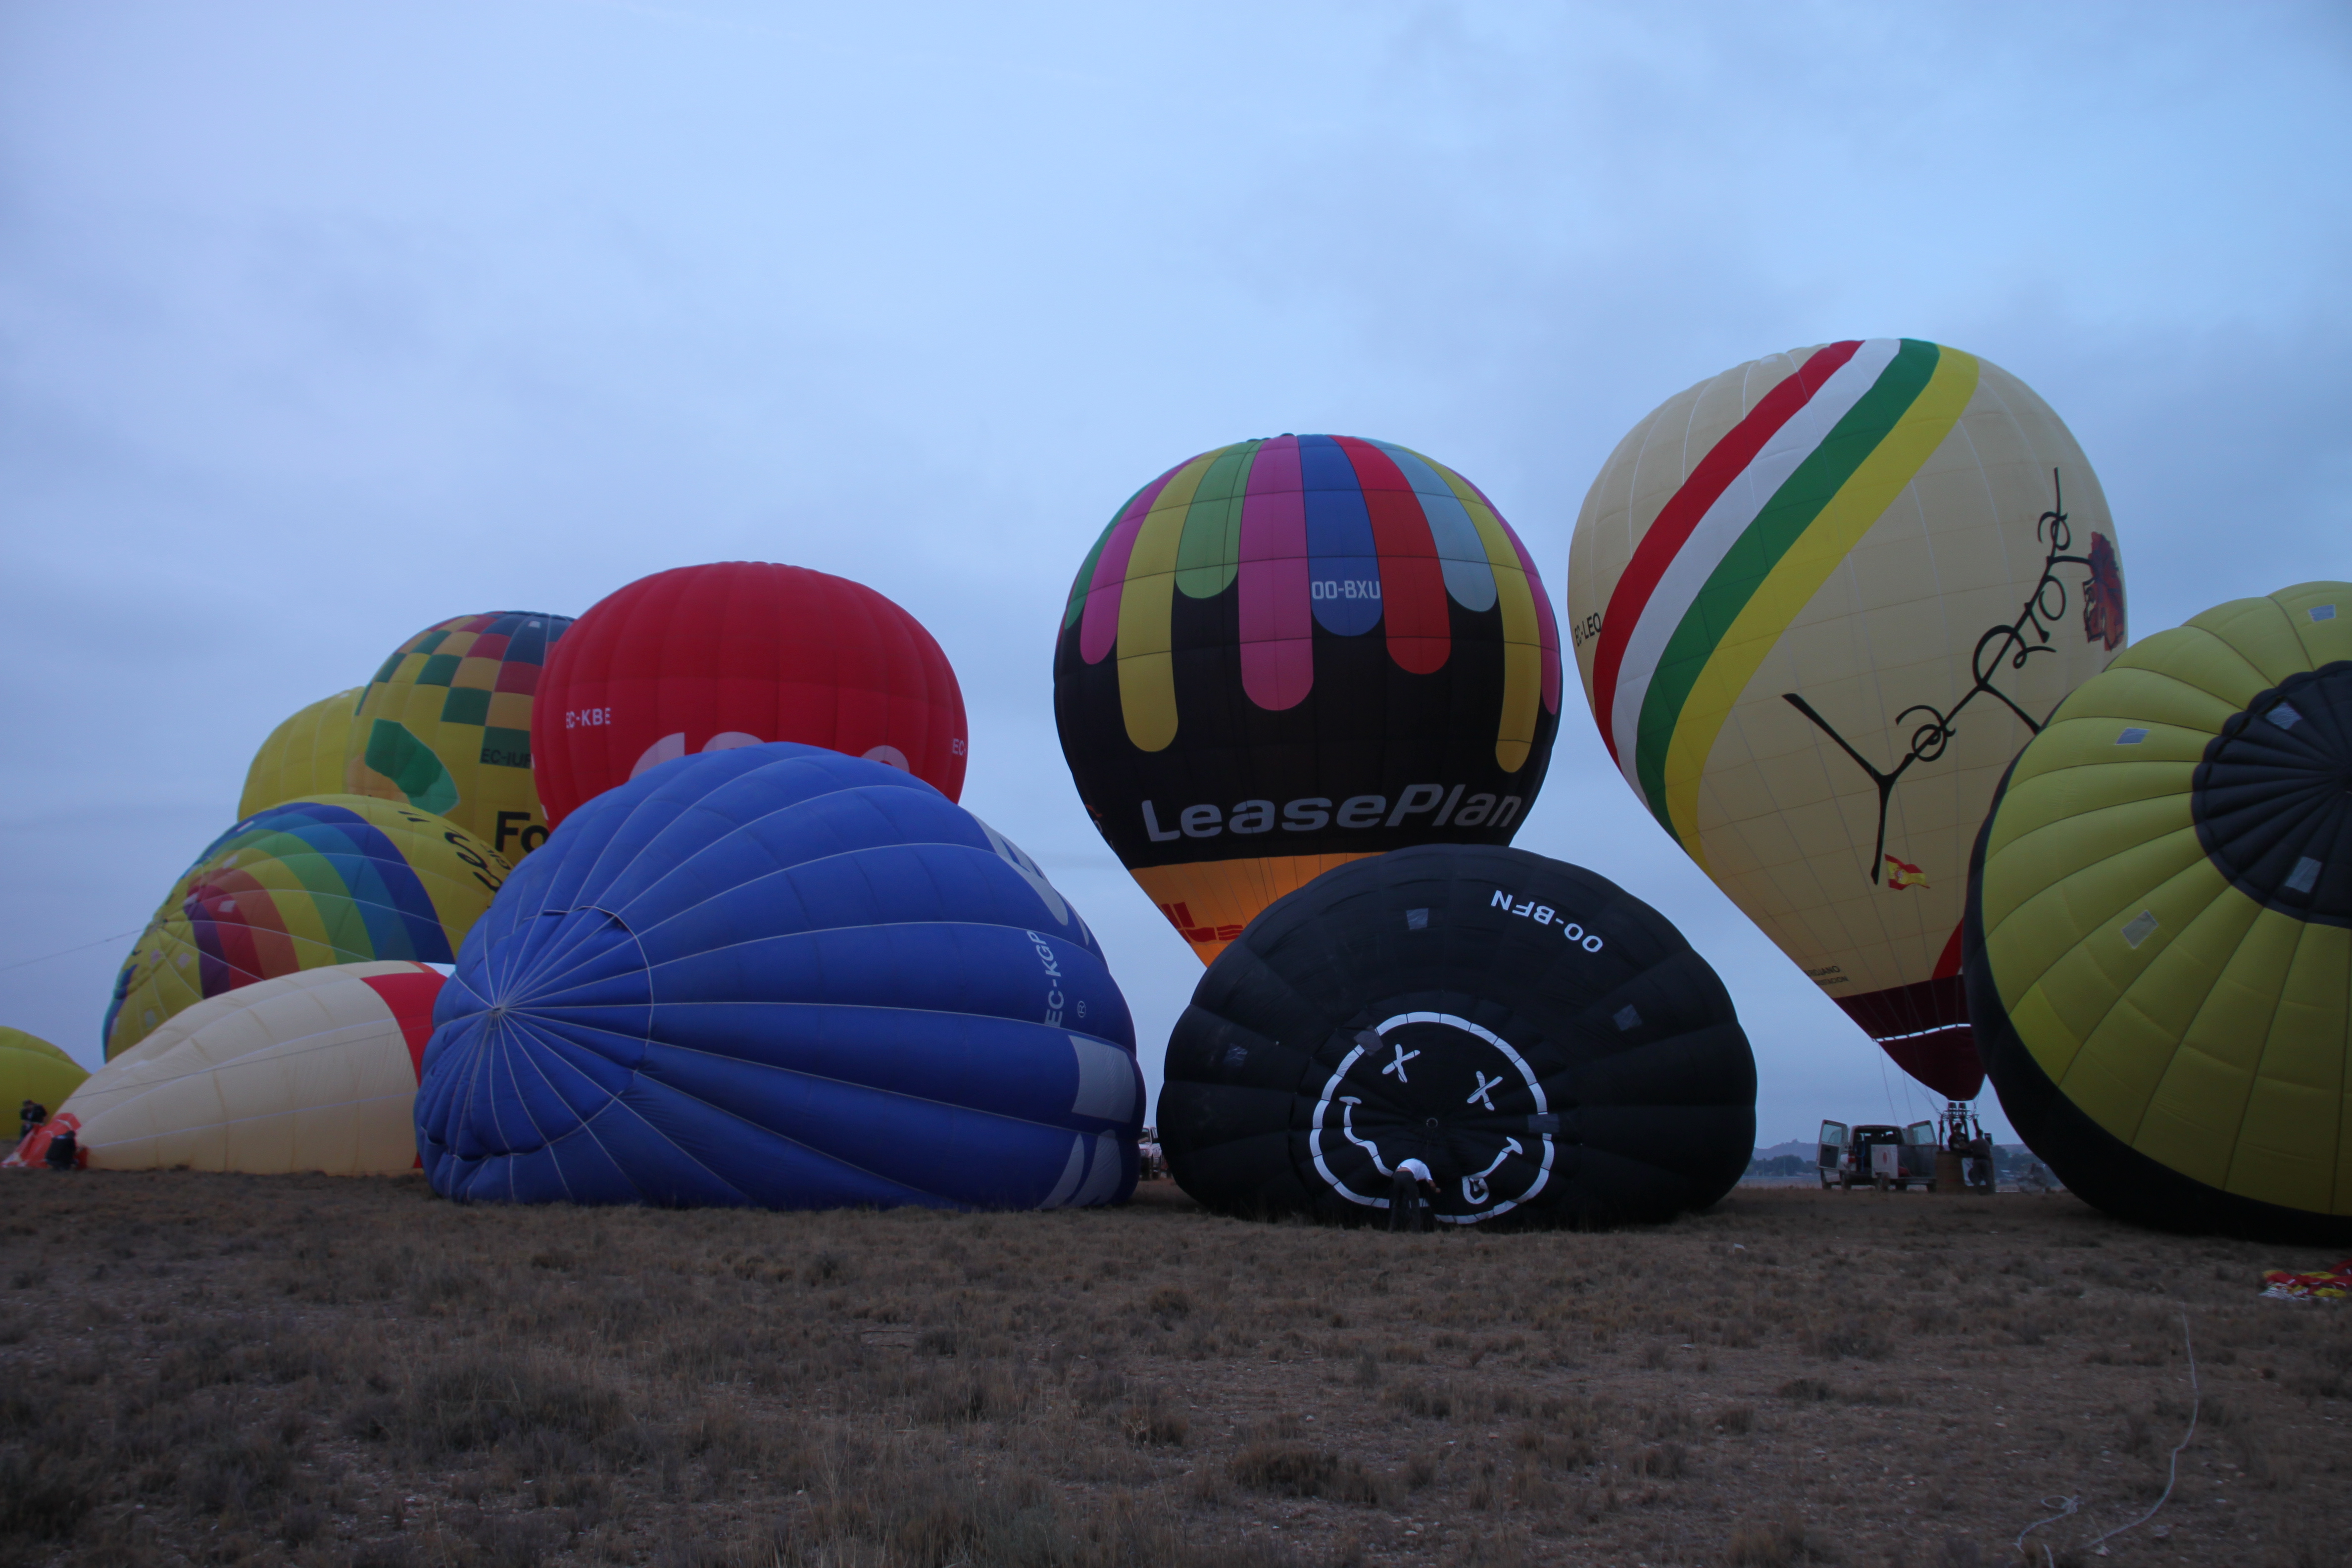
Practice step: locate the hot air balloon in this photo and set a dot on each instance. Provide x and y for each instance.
(304, 755)
(335, 878)
(1547, 1044)
(2159, 927)
(706, 659)
(445, 726)
(32, 1068)
(315, 1071)
(779, 976)
(1818, 603)
(1286, 653)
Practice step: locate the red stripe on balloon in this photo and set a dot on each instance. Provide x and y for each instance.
(1413, 581)
(1098, 632)
(250, 937)
(1704, 485)
(410, 996)
(1278, 611)
(1547, 624)
(1948, 963)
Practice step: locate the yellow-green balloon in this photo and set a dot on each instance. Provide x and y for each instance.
(32, 1068)
(2159, 926)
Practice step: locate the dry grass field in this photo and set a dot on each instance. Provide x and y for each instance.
(214, 1370)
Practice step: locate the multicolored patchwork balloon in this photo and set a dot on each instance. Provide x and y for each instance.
(1818, 603)
(445, 726)
(1233, 722)
(306, 755)
(336, 879)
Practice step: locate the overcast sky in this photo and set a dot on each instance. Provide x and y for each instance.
(320, 323)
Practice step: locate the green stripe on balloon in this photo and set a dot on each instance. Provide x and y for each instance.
(1084, 579)
(1782, 521)
(412, 767)
(1208, 555)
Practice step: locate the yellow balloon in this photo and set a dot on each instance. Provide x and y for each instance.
(1818, 602)
(445, 726)
(311, 1071)
(304, 755)
(333, 879)
(32, 1068)
(2160, 951)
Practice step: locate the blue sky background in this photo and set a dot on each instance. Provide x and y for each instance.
(322, 322)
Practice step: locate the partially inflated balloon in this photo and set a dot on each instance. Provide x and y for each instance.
(445, 726)
(311, 1071)
(32, 1068)
(776, 975)
(304, 755)
(1286, 654)
(707, 658)
(1545, 1043)
(1818, 603)
(336, 879)
(2160, 927)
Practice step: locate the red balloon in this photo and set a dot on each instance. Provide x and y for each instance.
(702, 659)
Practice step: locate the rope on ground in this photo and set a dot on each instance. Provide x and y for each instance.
(2173, 1476)
(2066, 1505)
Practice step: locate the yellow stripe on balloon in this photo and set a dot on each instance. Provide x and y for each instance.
(1798, 574)
(1147, 667)
(1515, 734)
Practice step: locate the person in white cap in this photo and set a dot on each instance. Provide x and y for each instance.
(1409, 1196)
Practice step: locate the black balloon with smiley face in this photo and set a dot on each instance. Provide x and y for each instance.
(1545, 1043)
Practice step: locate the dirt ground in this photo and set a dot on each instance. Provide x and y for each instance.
(216, 1369)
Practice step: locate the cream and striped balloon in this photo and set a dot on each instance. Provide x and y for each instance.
(1818, 603)
(315, 1071)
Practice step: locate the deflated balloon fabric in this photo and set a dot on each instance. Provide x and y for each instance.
(1547, 1043)
(778, 975)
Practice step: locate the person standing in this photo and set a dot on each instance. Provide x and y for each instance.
(30, 1115)
(1410, 1191)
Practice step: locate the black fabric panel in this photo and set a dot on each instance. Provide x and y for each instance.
(1589, 1031)
(2096, 1165)
(1366, 728)
(2272, 800)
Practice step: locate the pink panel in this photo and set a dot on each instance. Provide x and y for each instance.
(1277, 618)
(1098, 632)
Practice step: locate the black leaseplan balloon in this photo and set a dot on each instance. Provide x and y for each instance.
(1548, 1043)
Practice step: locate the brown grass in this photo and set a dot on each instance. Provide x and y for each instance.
(222, 1370)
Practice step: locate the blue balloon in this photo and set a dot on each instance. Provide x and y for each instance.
(785, 977)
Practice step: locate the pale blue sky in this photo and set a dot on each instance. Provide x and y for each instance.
(321, 323)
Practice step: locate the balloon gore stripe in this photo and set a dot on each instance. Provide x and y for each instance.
(1747, 541)
(1327, 531)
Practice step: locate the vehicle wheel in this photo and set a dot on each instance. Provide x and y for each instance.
(1902, 1186)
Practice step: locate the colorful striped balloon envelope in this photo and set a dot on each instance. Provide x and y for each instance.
(334, 878)
(1818, 603)
(1288, 653)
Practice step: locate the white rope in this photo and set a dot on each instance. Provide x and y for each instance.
(2068, 1505)
(2173, 1476)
